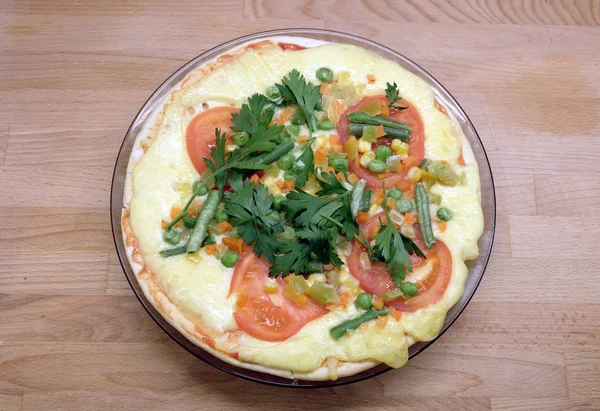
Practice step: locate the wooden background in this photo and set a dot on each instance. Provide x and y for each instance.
(73, 74)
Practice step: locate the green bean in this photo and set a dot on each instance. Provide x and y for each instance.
(173, 251)
(189, 222)
(326, 125)
(357, 130)
(209, 239)
(365, 201)
(208, 212)
(356, 196)
(364, 118)
(338, 331)
(422, 202)
(313, 267)
(281, 150)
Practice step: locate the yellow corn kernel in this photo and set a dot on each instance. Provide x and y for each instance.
(367, 158)
(415, 174)
(344, 77)
(193, 257)
(271, 285)
(399, 147)
(363, 145)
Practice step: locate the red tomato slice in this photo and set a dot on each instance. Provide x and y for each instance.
(200, 134)
(376, 280)
(268, 317)
(416, 147)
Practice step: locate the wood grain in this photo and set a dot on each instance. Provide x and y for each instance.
(74, 74)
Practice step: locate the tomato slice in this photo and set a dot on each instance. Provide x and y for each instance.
(376, 279)
(267, 317)
(200, 134)
(416, 147)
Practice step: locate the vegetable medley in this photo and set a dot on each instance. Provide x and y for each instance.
(307, 179)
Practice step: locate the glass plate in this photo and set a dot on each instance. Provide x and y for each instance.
(476, 267)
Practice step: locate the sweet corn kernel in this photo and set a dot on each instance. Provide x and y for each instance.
(367, 158)
(271, 285)
(344, 77)
(399, 147)
(320, 141)
(415, 174)
(193, 257)
(363, 145)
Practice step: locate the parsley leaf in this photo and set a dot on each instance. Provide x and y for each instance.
(254, 118)
(330, 185)
(248, 208)
(308, 159)
(297, 90)
(391, 92)
(218, 159)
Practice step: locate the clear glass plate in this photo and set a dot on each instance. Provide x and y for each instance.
(476, 267)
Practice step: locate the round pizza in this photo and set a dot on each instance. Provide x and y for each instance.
(302, 208)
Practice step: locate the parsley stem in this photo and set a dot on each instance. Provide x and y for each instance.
(357, 238)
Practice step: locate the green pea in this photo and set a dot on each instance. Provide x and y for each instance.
(298, 167)
(171, 236)
(273, 93)
(291, 131)
(444, 214)
(289, 175)
(364, 301)
(298, 120)
(339, 164)
(409, 289)
(325, 75)
(377, 166)
(221, 216)
(233, 233)
(395, 193)
(240, 138)
(286, 162)
(274, 215)
(383, 152)
(229, 259)
(209, 239)
(405, 206)
(202, 191)
(326, 125)
(277, 202)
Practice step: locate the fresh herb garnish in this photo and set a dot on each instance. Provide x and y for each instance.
(248, 207)
(393, 246)
(307, 158)
(296, 89)
(392, 93)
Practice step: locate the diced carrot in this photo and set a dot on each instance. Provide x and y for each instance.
(242, 299)
(377, 302)
(357, 161)
(285, 115)
(395, 313)
(445, 162)
(328, 169)
(408, 162)
(175, 210)
(371, 78)
(340, 108)
(338, 148)
(234, 244)
(302, 139)
(381, 321)
(410, 218)
(164, 224)
(288, 278)
(321, 161)
(385, 110)
(330, 307)
(390, 203)
(210, 249)
(288, 185)
(224, 227)
(373, 230)
(321, 153)
(461, 160)
(301, 300)
(409, 194)
(345, 298)
(220, 247)
(363, 217)
(383, 176)
(404, 185)
(379, 132)
(334, 139)
(255, 178)
(325, 88)
(340, 176)
(353, 178)
(280, 183)
(442, 226)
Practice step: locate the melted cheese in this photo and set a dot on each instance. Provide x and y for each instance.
(200, 289)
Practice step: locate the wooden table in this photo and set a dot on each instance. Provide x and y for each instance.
(74, 74)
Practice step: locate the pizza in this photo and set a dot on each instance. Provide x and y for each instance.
(302, 208)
